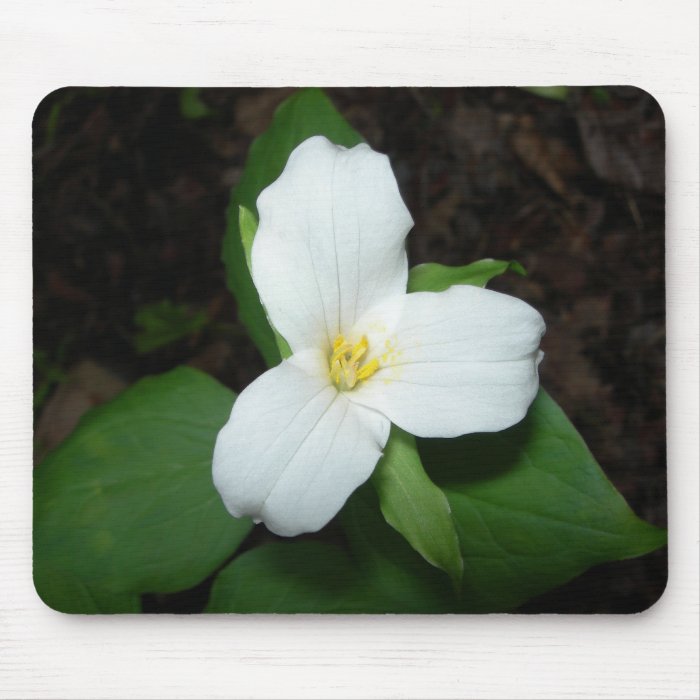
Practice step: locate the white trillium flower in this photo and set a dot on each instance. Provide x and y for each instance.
(330, 265)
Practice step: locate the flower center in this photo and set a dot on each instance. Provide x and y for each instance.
(345, 360)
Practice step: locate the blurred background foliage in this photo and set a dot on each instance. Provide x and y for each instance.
(130, 194)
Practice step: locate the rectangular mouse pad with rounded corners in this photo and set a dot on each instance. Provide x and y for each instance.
(351, 350)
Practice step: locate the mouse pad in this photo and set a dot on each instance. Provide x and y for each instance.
(351, 350)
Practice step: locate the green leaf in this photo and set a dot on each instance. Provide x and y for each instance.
(600, 95)
(48, 371)
(307, 576)
(532, 507)
(127, 505)
(532, 510)
(433, 277)
(415, 507)
(306, 113)
(290, 577)
(248, 225)
(191, 104)
(553, 92)
(395, 577)
(163, 323)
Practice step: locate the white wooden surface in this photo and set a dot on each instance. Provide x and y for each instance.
(45, 45)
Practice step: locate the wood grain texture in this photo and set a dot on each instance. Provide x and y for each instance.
(46, 45)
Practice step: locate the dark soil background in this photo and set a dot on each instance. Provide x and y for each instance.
(130, 193)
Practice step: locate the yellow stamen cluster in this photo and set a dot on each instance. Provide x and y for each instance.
(345, 363)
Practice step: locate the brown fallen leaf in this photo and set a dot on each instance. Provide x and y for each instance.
(254, 112)
(625, 140)
(213, 358)
(548, 157)
(60, 287)
(87, 385)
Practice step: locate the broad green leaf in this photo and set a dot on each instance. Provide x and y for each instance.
(398, 578)
(306, 113)
(415, 507)
(309, 576)
(295, 576)
(248, 225)
(523, 529)
(67, 593)
(433, 277)
(532, 507)
(127, 505)
(381, 573)
(163, 323)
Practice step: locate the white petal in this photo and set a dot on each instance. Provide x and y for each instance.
(330, 244)
(294, 448)
(455, 362)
